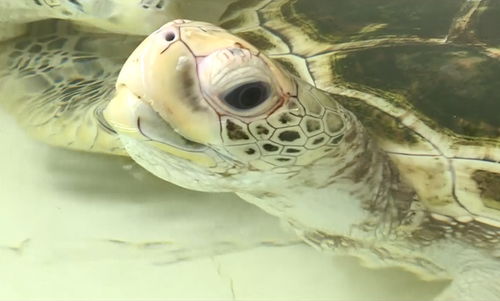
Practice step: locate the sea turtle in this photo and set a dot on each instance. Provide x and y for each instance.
(137, 17)
(370, 127)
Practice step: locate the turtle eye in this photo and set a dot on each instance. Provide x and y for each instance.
(247, 96)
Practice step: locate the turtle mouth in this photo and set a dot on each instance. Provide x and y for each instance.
(152, 126)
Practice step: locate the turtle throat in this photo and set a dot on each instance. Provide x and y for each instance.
(352, 192)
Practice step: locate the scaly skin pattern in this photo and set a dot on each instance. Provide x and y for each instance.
(336, 188)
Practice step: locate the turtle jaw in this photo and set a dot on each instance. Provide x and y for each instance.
(129, 116)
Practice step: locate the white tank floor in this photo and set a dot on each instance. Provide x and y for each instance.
(82, 226)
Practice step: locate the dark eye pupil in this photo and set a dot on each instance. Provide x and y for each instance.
(247, 96)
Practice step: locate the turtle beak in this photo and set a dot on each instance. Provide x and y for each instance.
(121, 112)
(129, 115)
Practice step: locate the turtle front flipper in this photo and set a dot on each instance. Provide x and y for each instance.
(56, 82)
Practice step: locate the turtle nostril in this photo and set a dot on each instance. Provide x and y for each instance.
(170, 36)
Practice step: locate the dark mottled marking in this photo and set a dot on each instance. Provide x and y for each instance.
(377, 122)
(336, 140)
(283, 159)
(292, 150)
(265, 194)
(160, 4)
(289, 136)
(189, 87)
(318, 140)
(262, 130)
(363, 163)
(459, 95)
(289, 66)
(233, 23)
(256, 39)
(480, 234)
(285, 118)
(488, 184)
(77, 3)
(270, 147)
(38, 2)
(333, 22)
(250, 151)
(312, 125)
(235, 132)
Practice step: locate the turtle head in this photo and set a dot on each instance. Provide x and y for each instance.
(204, 109)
